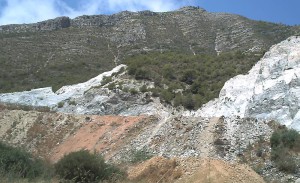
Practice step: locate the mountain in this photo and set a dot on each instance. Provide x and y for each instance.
(132, 85)
(67, 51)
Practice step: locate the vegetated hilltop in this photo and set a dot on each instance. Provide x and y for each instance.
(66, 51)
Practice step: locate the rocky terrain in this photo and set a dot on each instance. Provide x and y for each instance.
(52, 135)
(63, 48)
(111, 115)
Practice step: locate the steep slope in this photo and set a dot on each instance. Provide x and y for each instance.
(56, 52)
(269, 91)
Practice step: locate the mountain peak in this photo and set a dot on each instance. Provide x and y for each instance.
(191, 8)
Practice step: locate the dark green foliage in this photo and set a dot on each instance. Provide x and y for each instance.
(60, 104)
(111, 86)
(188, 76)
(82, 166)
(189, 102)
(287, 138)
(18, 163)
(143, 89)
(168, 72)
(285, 144)
(167, 96)
(133, 91)
(199, 77)
(178, 100)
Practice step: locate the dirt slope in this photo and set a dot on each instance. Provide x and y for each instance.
(192, 170)
(52, 135)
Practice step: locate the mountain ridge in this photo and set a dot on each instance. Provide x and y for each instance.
(95, 44)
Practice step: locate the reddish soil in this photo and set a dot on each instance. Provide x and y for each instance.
(99, 133)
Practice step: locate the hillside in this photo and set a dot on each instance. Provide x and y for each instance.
(182, 96)
(66, 51)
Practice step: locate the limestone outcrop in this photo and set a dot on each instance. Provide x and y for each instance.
(271, 89)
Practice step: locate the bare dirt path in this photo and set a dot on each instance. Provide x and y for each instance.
(206, 138)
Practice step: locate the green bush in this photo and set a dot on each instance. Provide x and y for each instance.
(105, 80)
(133, 91)
(83, 166)
(177, 100)
(140, 155)
(60, 104)
(166, 96)
(111, 86)
(189, 102)
(18, 163)
(143, 89)
(285, 143)
(287, 138)
(283, 159)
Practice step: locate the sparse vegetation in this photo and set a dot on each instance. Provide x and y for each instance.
(140, 155)
(106, 80)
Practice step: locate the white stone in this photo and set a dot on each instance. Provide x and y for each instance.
(46, 97)
(271, 89)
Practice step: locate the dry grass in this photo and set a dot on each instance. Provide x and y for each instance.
(156, 169)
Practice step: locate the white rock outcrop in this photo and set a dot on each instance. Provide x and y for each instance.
(271, 89)
(46, 97)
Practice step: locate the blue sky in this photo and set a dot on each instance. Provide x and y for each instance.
(29, 11)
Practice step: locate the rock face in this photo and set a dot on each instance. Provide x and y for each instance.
(189, 26)
(271, 89)
(48, 25)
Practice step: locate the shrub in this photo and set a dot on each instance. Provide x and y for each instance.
(125, 89)
(111, 86)
(188, 102)
(105, 80)
(177, 100)
(168, 72)
(72, 102)
(60, 104)
(275, 139)
(81, 166)
(167, 96)
(18, 163)
(139, 156)
(143, 89)
(133, 91)
(288, 138)
(285, 142)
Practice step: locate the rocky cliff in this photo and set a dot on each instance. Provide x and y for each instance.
(270, 90)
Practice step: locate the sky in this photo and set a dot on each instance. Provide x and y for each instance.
(30, 11)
